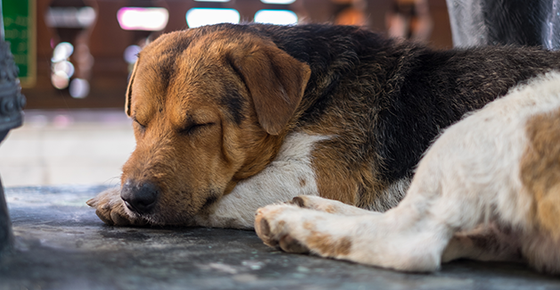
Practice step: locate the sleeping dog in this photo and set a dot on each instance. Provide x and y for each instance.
(230, 118)
(487, 189)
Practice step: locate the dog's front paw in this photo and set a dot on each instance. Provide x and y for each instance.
(110, 209)
(300, 230)
(274, 231)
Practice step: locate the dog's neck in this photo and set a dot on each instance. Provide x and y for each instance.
(262, 153)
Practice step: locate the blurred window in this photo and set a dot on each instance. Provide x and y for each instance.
(283, 2)
(205, 16)
(70, 17)
(140, 18)
(279, 17)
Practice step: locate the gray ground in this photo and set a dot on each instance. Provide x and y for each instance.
(61, 244)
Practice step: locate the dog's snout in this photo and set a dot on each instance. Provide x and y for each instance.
(140, 198)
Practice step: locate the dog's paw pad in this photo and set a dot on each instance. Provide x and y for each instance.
(110, 209)
(119, 220)
(312, 202)
(262, 228)
(92, 202)
(298, 200)
(104, 218)
(288, 244)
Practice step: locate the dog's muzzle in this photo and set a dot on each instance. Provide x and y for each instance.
(140, 197)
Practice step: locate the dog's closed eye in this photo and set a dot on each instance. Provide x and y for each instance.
(142, 126)
(193, 127)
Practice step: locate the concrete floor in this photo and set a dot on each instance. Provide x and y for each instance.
(67, 147)
(61, 244)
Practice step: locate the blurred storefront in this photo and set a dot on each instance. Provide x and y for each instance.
(79, 52)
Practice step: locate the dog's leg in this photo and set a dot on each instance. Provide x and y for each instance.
(485, 243)
(328, 205)
(396, 239)
(110, 209)
(410, 237)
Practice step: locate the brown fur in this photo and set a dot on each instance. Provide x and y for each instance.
(223, 151)
(329, 246)
(291, 245)
(540, 169)
(338, 176)
(325, 244)
(333, 181)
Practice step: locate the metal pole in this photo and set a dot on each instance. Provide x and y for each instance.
(1, 23)
(11, 104)
(6, 235)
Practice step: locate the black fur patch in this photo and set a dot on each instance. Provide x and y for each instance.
(168, 66)
(210, 200)
(235, 104)
(166, 69)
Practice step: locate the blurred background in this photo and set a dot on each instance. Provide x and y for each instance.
(74, 58)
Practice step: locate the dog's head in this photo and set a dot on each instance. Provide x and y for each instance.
(210, 107)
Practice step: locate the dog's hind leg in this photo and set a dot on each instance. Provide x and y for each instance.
(488, 242)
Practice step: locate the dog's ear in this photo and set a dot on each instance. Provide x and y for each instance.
(276, 82)
(128, 100)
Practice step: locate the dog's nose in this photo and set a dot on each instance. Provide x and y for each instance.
(140, 198)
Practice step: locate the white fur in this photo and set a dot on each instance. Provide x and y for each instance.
(469, 180)
(391, 196)
(279, 181)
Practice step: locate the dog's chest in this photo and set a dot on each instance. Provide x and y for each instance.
(290, 174)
